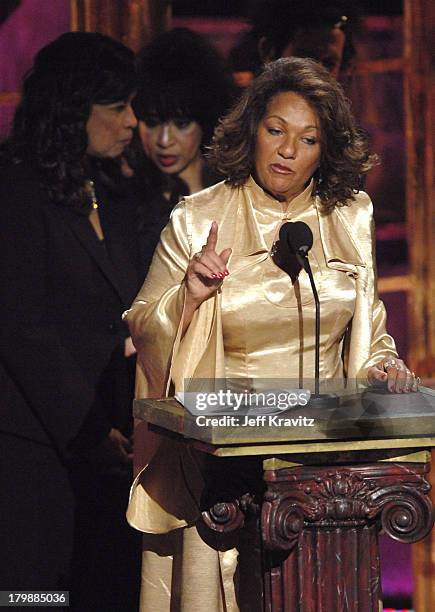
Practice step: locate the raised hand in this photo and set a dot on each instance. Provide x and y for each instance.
(205, 273)
(206, 270)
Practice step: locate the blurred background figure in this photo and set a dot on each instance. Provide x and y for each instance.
(69, 264)
(286, 28)
(184, 88)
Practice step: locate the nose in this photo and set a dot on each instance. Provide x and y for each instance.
(164, 136)
(287, 148)
(130, 117)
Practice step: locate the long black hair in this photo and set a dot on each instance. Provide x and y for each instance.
(70, 74)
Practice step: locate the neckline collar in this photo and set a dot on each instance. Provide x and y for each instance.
(335, 232)
(262, 199)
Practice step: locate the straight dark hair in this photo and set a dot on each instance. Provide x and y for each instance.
(182, 75)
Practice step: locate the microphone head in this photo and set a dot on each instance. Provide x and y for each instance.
(297, 236)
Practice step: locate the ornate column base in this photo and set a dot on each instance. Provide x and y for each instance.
(325, 521)
(319, 530)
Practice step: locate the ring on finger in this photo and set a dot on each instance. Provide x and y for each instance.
(197, 256)
(408, 381)
(415, 381)
(391, 363)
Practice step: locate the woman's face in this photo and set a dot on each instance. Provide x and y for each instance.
(287, 151)
(110, 128)
(172, 145)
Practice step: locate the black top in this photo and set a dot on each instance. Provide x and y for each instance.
(63, 374)
(155, 210)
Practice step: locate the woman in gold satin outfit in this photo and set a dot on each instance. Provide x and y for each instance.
(215, 305)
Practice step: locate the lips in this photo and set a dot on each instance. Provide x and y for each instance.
(167, 160)
(125, 142)
(279, 169)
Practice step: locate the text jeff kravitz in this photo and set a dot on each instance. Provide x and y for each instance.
(260, 420)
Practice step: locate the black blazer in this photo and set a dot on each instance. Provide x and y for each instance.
(63, 377)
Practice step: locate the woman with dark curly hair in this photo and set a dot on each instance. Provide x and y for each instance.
(216, 305)
(68, 268)
(343, 157)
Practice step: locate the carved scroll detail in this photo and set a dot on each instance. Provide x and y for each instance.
(348, 498)
(225, 517)
(406, 517)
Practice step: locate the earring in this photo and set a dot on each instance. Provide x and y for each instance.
(318, 180)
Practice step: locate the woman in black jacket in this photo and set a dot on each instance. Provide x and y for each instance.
(68, 268)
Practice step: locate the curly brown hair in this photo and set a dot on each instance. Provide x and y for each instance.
(345, 158)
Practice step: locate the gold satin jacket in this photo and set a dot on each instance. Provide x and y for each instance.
(166, 495)
(346, 236)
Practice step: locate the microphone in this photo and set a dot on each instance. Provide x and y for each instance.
(298, 237)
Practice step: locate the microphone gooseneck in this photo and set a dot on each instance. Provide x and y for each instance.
(299, 239)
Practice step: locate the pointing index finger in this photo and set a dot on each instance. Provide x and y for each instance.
(210, 245)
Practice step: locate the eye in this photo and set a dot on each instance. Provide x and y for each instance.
(181, 122)
(309, 140)
(274, 131)
(151, 121)
(118, 107)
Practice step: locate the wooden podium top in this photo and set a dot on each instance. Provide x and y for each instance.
(373, 419)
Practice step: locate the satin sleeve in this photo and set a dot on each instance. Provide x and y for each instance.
(382, 345)
(160, 499)
(155, 315)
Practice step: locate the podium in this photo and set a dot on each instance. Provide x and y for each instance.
(314, 494)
